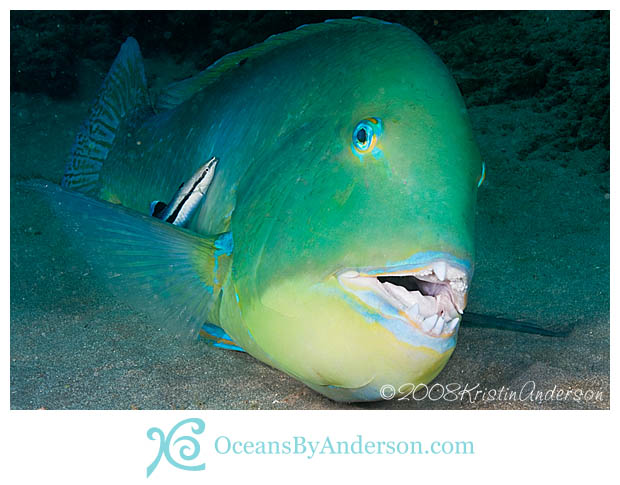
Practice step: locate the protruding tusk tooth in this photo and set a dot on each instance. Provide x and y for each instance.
(429, 323)
(438, 328)
(452, 325)
(440, 268)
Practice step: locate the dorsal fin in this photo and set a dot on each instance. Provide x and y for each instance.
(122, 93)
(180, 91)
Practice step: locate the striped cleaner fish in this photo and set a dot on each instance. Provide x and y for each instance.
(335, 240)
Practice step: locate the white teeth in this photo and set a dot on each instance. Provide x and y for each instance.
(400, 293)
(413, 311)
(429, 323)
(452, 325)
(438, 328)
(403, 299)
(428, 304)
(441, 269)
(438, 314)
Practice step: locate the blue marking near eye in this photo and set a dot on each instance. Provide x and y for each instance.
(377, 153)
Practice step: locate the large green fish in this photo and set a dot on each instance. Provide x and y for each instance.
(336, 239)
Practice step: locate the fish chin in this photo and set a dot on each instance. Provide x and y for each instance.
(352, 333)
(318, 333)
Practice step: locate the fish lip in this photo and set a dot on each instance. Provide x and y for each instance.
(441, 273)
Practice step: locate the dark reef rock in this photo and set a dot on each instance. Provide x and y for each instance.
(45, 45)
(557, 60)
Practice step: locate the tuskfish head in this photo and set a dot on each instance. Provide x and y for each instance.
(354, 226)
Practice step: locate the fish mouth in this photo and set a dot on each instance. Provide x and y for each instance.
(430, 297)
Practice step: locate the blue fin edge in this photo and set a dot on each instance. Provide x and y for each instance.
(217, 337)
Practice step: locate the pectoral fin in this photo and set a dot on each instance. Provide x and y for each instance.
(174, 274)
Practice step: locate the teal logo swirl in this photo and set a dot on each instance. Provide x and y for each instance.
(188, 452)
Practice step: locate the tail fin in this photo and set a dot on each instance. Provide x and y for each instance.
(123, 92)
(171, 273)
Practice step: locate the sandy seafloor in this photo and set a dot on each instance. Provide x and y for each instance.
(537, 88)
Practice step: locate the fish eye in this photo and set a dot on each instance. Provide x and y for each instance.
(362, 136)
(365, 135)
